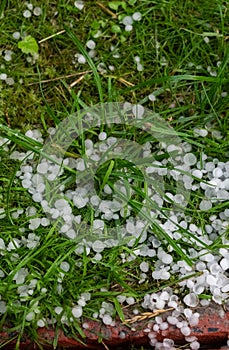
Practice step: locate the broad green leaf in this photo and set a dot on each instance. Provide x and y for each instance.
(28, 45)
(114, 5)
(115, 28)
(132, 2)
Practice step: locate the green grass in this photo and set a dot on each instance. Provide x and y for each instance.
(170, 43)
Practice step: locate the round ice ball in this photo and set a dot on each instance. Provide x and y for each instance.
(190, 159)
(191, 300)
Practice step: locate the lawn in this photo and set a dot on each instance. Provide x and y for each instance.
(114, 172)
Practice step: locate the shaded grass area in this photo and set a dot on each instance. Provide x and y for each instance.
(163, 40)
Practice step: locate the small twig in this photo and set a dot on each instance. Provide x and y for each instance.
(105, 346)
(105, 9)
(146, 315)
(7, 118)
(51, 36)
(125, 82)
(76, 81)
(59, 78)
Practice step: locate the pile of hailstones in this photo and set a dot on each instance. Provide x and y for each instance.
(210, 176)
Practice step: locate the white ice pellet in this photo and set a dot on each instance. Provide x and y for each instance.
(92, 53)
(217, 172)
(79, 201)
(152, 97)
(107, 320)
(102, 136)
(172, 320)
(151, 335)
(3, 307)
(64, 228)
(138, 111)
(16, 35)
(34, 223)
(185, 331)
(95, 200)
(216, 133)
(98, 224)
(197, 173)
(224, 263)
(3, 76)
(107, 189)
(187, 313)
(86, 296)
(190, 159)
(205, 205)
(127, 20)
(98, 246)
(26, 183)
(77, 311)
(128, 27)
(31, 211)
(45, 222)
(60, 204)
(137, 16)
(160, 304)
(122, 335)
(30, 316)
(144, 266)
(195, 345)
(81, 59)
(8, 55)
(65, 266)
(80, 164)
(130, 300)
(165, 275)
(71, 234)
(194, 320)
(201, 132)
(172, 304)
(130, 227)
(163, 326)
(198, 289)
(222, 195)
(137, 59)
(225, 289)
(40, 323)
(193, 228)
(191, 300)
(42, 168)
(166, 258)
(9, 81)
(27, 14)
(2, 244)
(58, 310)
(91, 44)
(29, 6)
(37, 11)
(97, 257)
(79, 4)
(121, 298)
(208, 257)
(178, 198)
(215, 268)
(81, 302)
(168, 343)
(139, 67)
